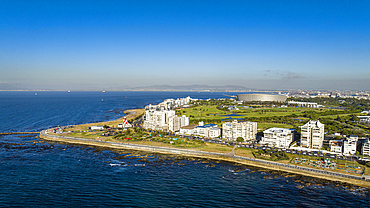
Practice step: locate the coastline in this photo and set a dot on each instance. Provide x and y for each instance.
(130, 115)
(326, 175)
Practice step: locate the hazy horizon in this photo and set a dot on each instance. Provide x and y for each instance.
(100, 45)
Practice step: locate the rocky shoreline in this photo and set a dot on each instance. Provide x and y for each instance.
(271, 166)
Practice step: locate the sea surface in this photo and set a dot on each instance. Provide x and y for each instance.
(35, 173)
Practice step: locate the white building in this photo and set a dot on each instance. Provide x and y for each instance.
(175, 122)
(312, 135)
(278, 137)
(366, 148)
(304, 104)
(96, 127)
(208, 130)
(336, 146)
(156, 117)
(350, 145)
(188, 130)
(178, 103)
(364, 119)
(232, 130)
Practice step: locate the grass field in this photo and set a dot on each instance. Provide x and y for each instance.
(129, 116)
(264, 126)
(210, 114)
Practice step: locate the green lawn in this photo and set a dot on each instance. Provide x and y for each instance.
(207, 112)
(335, 116)
(264, 126)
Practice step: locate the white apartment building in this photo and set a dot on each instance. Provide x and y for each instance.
(350, 145)
(179, 102)
(207, 130)
(157, 117)
(214, 132)
(188, 130)
(232, 130)
(336, 146)
(277, 137)
(183, 101)
(175, 122)
(366, 148)
(312, 135)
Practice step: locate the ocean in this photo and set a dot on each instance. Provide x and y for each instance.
(35, 173)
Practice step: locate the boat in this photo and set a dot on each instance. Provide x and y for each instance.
(69, 91)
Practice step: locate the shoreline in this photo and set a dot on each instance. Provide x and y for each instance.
(270, 165)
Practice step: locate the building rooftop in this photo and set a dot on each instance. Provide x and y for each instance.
(207, 126)
(192, 126)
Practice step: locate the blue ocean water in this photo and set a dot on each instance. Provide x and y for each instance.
(34, 173)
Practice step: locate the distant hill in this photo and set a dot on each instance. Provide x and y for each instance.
(232, 88)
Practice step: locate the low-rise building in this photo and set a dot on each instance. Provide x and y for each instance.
(232, 130)
(207, 130)
(278, 137)
(350, 145)
(364, 119)
(303, 104)
(96, 127)
(188, 130)
(336, 146)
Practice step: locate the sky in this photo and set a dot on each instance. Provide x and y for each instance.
(102, 45)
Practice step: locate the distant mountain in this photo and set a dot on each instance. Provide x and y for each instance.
(225, 88)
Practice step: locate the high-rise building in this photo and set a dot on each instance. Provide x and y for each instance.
(175, 122)
(160, 117)
(312, 135)
(232, 130)
(366, 148)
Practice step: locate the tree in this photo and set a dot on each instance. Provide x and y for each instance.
(240, 139)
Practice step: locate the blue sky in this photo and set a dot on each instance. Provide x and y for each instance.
(113, 44)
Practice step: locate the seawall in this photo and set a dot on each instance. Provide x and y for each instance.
(311, 172)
